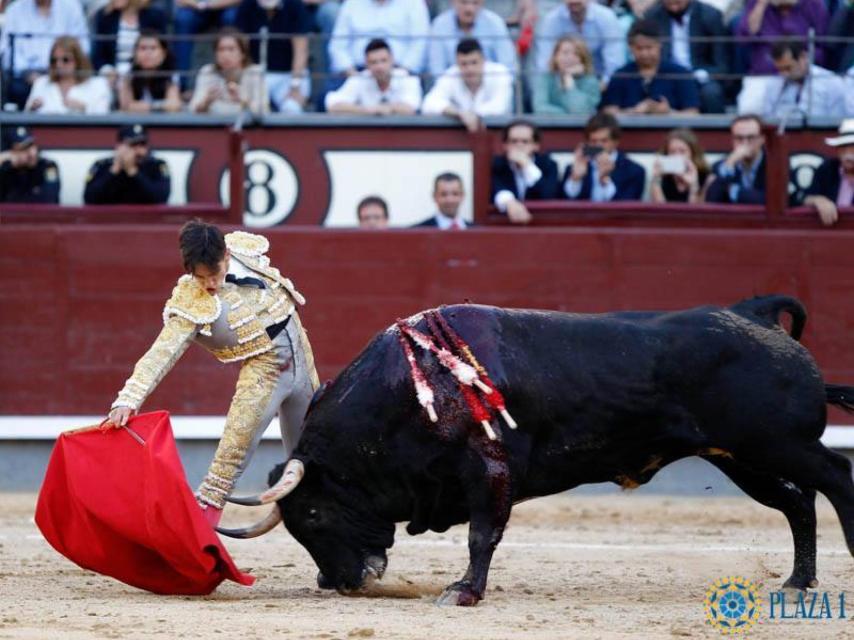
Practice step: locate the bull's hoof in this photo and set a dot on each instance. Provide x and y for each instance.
(459, 594)
(800, 583)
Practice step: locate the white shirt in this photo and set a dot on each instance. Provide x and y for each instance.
(493, 98)
(680, 45)
(445, 223)
(849, 93)
(598, 192)
(362, 90)
(33, 53)
(822, 94)
(404, 24)
(489, 29)
(125, 41)
(94, 92)
(525, 179)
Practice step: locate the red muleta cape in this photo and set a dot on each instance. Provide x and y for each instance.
(124, 509)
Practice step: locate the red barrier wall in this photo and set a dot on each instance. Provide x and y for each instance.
(79, 303)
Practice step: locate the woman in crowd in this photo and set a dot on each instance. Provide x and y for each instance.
(69, 86)
(117, 27)
(151, 85)
(571, 85)
(686, 182)
(232, 83)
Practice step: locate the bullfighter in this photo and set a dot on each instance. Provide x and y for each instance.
(240, 309)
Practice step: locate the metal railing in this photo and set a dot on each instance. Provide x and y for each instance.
(523, 75)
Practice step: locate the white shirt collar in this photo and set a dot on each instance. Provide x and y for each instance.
(445, 223)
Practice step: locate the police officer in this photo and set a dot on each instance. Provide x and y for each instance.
(131, 176)
(24, 176)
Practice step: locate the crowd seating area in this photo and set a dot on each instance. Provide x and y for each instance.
(463, 58)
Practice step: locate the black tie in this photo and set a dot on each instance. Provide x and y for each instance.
(245, 282)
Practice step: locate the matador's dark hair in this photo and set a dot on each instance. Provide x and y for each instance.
(201, 243)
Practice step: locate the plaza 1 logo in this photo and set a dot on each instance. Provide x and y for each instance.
(271, 188)
(733, 605)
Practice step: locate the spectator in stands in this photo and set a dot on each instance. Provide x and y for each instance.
(522, 173)
(801, 88)
(232, 83)
(595, 23)
(766, 20)
(372, 212)
(841, 53)
(833, 182)
(288, 81)
(193, 17)
(740, 178)
(691, 28)
(117, 28)
(570, 86)
(381, 89)
(448, 194)
(404, 24)
(131, 176)
(24, 175)
(680, 173)
(472, 88)
(600, 172)
(649, 85)
(33, 25)
(152, 85)
(69, 86)
(469, 19)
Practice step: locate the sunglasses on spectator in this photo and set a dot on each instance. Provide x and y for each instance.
(62, 59)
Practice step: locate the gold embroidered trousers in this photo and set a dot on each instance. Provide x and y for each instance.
(281, 381)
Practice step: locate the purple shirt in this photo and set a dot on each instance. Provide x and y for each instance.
(805, 15)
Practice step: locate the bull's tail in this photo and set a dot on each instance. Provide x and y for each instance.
(840, 396)
(769, 308)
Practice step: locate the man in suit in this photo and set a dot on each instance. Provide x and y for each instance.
(448, 194)
(522, 173)
(833, 182)
(690, 27)
(600, 172)
(740, 177)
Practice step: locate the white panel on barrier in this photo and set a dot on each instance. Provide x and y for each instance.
(404, 179)
(74, 166)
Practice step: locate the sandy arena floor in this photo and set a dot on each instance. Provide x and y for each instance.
(627, 566)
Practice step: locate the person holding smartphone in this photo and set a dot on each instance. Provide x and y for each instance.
(680, 173)
(599, 171)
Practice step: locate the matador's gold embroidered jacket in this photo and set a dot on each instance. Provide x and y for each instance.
(231, 325)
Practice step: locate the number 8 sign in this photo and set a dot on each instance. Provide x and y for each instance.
(271, 188)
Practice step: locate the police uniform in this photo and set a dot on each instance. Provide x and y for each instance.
(150, 185)
(252, 320)
(25, 184)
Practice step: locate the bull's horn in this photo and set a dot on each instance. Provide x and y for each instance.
(293, 473)
(258, 529)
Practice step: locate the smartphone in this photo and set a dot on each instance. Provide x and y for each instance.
(672, 164)
(591, 150)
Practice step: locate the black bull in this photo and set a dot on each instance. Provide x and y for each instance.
(598, 398)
